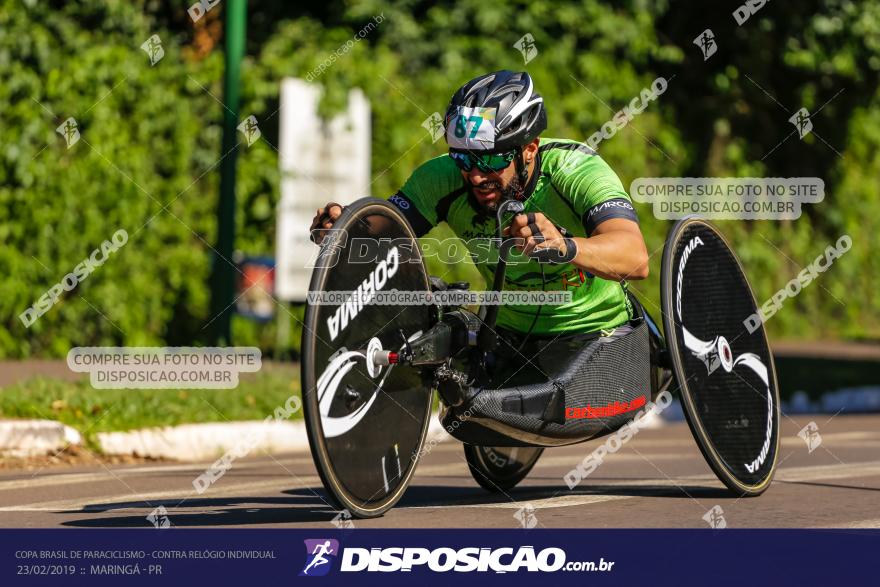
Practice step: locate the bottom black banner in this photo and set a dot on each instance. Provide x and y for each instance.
(237, 557)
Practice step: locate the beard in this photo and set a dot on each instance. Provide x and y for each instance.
(512, 191)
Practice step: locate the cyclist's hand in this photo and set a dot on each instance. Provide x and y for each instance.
(536, 233)
(324, 219)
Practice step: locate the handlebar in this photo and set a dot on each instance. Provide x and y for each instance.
(487, 337)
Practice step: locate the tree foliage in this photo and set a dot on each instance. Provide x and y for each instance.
(150, 137)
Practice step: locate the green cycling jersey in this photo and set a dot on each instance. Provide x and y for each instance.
(576, 190)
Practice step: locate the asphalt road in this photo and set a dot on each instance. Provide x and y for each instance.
(658, 479)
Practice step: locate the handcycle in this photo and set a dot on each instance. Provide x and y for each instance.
(370, 371)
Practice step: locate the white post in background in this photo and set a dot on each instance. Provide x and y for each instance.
(321, 161)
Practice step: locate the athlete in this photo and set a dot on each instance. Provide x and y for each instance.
(574, 204)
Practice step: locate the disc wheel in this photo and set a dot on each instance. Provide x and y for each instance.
(500, 468)
(720, 357)
(366, 422)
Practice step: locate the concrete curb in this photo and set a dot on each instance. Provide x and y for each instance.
(194, 442)
(28, 438)
(190, 442)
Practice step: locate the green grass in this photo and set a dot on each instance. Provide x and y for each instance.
(91, 410)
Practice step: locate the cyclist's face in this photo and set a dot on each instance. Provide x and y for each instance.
(488, 186)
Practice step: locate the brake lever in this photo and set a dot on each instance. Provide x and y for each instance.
(508, 206)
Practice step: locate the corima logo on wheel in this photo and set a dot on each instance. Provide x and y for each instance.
(717, 353)
(693, 244)
(375, 281)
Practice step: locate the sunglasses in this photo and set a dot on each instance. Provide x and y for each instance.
(485, 163)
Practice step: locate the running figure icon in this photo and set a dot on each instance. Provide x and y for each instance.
(318, 553)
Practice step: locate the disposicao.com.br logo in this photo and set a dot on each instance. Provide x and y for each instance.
(444, 559)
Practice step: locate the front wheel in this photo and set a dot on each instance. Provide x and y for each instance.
(500, 468)
(366, 422)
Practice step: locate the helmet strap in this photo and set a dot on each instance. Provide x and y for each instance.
(522, 174)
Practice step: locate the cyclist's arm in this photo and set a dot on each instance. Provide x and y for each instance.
(419, 198)
(614, 247)
(615, 250)
(408, 208)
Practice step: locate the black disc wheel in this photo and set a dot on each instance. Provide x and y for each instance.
(366, 421)
(720, 356)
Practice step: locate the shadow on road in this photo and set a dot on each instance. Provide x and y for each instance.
(428, 496)
(311, 505)
(307, 506)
